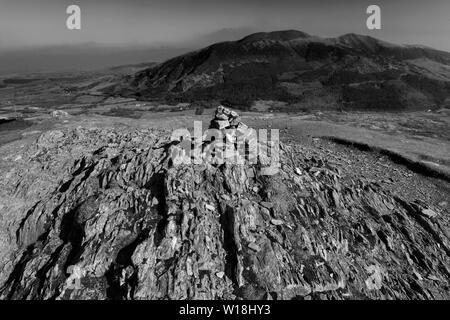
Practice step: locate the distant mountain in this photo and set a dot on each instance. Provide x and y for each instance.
(220, 35)
(94, 56)
(348, 72)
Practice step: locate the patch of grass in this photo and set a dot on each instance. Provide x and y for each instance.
(123, 112)
(19, 80)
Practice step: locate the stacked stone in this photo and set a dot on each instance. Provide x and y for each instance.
(234, 131)
(225, 118)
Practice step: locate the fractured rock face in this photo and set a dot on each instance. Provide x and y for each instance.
(104, 214)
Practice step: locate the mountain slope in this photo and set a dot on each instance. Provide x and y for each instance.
(350, 71)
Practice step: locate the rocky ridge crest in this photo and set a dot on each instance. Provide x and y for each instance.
(102, 213)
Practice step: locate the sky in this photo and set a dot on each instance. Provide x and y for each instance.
(30, 23)
(34, 36)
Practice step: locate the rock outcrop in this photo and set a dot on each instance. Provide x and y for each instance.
(92, 213)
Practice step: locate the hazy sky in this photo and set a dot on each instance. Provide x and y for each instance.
(156, 22)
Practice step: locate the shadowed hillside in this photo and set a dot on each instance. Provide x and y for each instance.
(348, 72)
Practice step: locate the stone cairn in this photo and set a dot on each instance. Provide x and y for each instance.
(235, 130)
(229, 122)
(238, 144)
(225, 118)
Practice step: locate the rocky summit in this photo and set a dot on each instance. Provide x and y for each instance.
(104, 213)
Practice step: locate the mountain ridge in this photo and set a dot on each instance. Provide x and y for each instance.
(351, 72)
